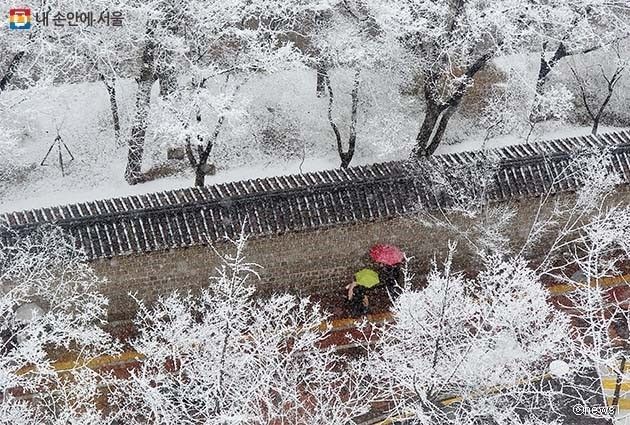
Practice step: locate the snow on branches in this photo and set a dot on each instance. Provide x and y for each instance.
(49, 304)
(486, 341)
(224, 356)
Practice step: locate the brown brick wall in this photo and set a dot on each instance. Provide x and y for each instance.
(309, 262)
(305, 262)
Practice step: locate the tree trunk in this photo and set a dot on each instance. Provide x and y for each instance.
(133, 173)
(200, 164)
(432, 129)
(352, 140)
(204, 153)
(167, 79)
(165, 72)
(597, 118)
(437, 114)
(320, 88)
(560, 53)
(13, 66)
(595, 127)
(345, 156)
(546, 66)
(618, 382)
(200, 176)
(544, 69)
(113, 105)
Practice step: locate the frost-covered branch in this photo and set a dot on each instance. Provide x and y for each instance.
(225, 356)
(50, 306)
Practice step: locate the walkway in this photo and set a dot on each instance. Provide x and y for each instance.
(617, 389)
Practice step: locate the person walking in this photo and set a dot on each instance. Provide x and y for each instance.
(389, 259)
(364, 280)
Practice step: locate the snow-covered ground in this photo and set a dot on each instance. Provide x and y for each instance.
(30, 119)
(116, 186)
(55, 189)
(555, 132)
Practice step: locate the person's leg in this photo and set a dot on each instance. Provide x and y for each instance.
(350, 288)
(358, 300)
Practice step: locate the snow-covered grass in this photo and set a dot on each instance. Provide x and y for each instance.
(81, 114)
(112, 183)
(287, 101)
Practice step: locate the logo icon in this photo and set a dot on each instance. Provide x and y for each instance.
(20, 19)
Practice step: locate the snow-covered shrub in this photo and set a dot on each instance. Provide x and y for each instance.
(506, 108)
(50, 306)
(298, 117)
(487, 341)
(555, 102)
(225, 356)
(277, 133)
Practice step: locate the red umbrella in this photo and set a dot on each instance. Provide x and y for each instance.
(387, 254)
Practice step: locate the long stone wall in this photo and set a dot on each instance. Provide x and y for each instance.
(314, 230)
(321, 261)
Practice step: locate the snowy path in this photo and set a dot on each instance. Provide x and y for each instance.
(611, 382)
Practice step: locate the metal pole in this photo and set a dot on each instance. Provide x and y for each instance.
(60, 158)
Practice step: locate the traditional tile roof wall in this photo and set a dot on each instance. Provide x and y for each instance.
(309, 201)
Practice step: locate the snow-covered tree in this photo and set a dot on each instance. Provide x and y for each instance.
(483, 343)
(224, 356)
(110, 52)
(567, 28)
(204, 43)
(342, 42)
(362, 76)
(56, 52)
(590, 84)
(580, 239)
(50, 306)
(451, 41)
(590, 246)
